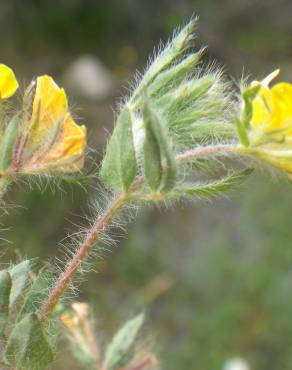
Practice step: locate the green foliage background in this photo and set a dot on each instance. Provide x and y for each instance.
(223, 270)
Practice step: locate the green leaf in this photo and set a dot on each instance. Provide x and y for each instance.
(7, 143)
(122, 344)
(174, 75)
(242, 133)
(152, 159)
(196, 111)
(5, 287)
(27, 347)
(207, 132)
(214, 188)
(184, 96)
(119, 166)
(173, 50)
(36, 295)
(20, 277)
(158, 155)
(52, 330)
(249, 94)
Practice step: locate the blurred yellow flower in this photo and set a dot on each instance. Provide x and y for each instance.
(70, 321)
(270, 132)
(58, 142)
(80, 330)
(8, 82)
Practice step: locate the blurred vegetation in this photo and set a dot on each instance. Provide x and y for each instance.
(216, 278)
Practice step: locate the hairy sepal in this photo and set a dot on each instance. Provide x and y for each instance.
(174, 75)
(8, 143)
(159, 160)
(168, 56)
(119, 166)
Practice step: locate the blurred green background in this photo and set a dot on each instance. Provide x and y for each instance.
(216, 278)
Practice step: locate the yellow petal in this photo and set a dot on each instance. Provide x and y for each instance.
(49, 106)
(272, 114)
(56, 142)
(263, 106)
(270, 133)
(8, 82)
(67, 154)
(282, 97)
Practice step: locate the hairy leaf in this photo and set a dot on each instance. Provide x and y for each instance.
(186, 94)
(152, 160)
(242, 133)
(121, 345)
(5, 287)
(20, 277)
(119, 165)
(174, 75)
(166, 169)
(214, 188)
(249, 94)
(35, 296)
(174, 50)
(27, 347)
(7, 143)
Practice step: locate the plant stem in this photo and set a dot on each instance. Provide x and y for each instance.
(204, 151)
(105, 219)
(81, 254)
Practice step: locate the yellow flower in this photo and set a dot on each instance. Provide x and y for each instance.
(272, 113)
(270, 132)
(8, 82)
(55, 140)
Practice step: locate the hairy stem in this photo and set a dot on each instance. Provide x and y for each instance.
(81, 254)
(205, 151)
(105, 219)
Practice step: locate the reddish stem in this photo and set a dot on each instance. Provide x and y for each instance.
(80, 255)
